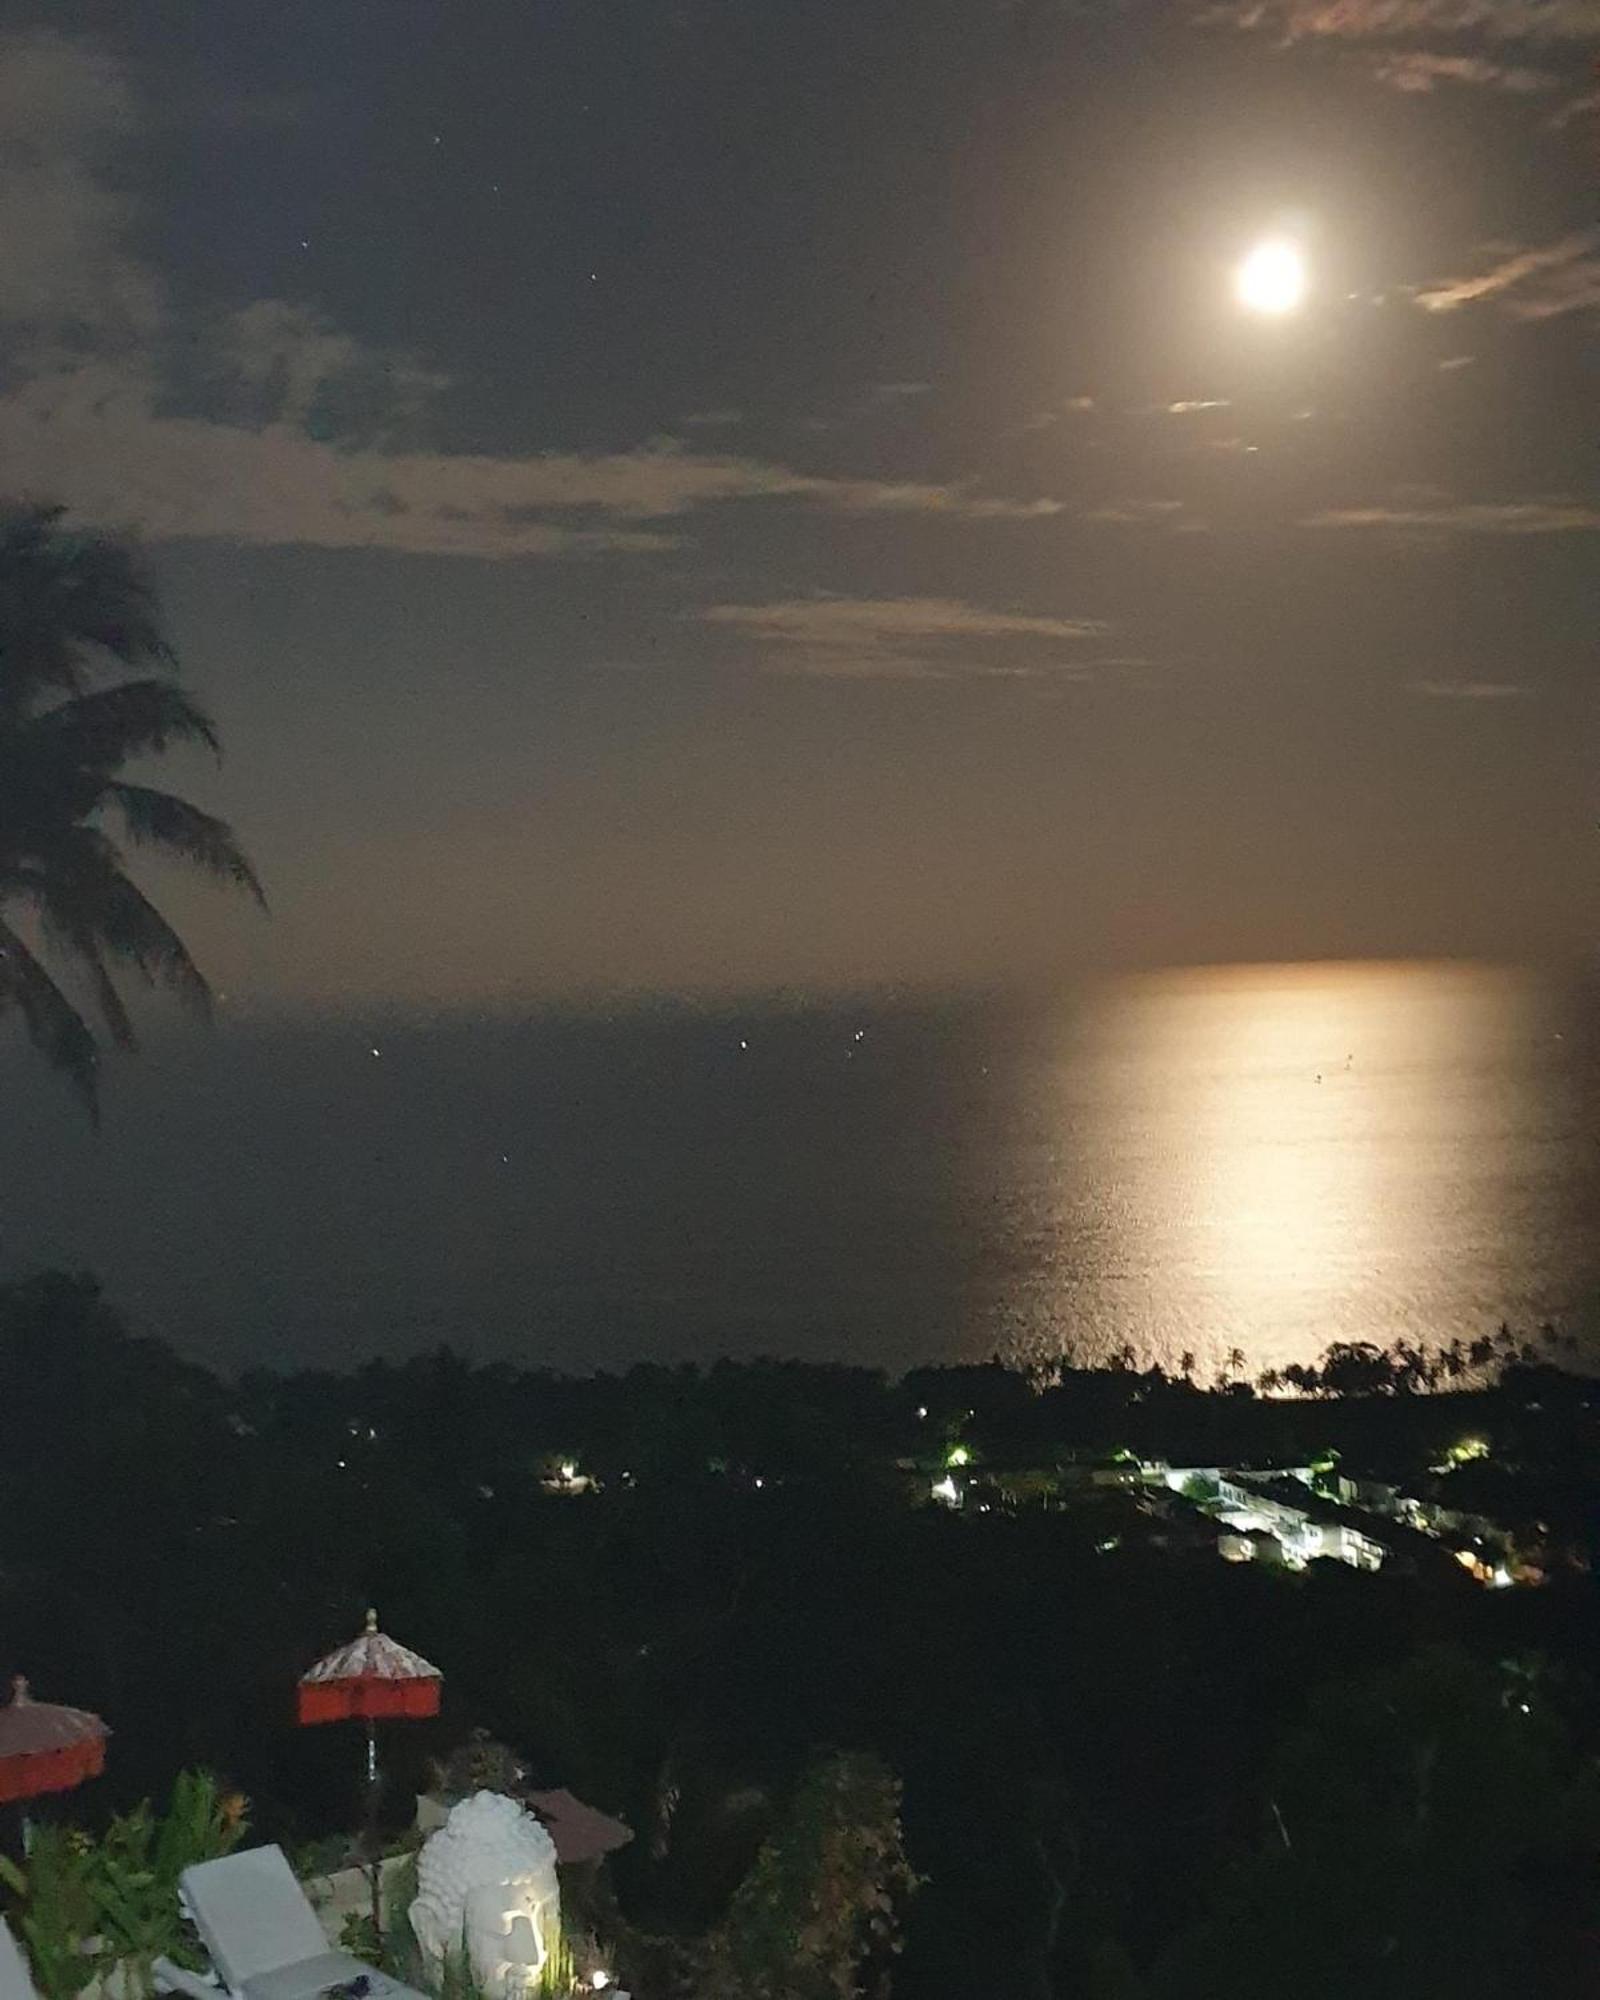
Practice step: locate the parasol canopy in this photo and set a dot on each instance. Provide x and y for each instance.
(372, 1679)
(579, 1831)
(45, 1747)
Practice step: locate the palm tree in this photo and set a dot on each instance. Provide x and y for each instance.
(73, 609)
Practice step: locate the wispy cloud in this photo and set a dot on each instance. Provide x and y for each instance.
(67, 281)
(1585, 106)
(285, 363)
(1469, 517)
(281, 428)
(1138, 513)
(1420, 71)
(1540, 281)
(712, 420)
(907, 638)
(1043, 420)
(100, 436)
(1469, 690)
(1533, 21)
(900, 392)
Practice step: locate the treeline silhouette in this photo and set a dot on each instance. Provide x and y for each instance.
(1125, 1773)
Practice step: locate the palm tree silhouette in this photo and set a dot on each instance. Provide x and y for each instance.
(72, 607)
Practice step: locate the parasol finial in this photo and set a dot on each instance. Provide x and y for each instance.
(19, 1690)
(372, 1619)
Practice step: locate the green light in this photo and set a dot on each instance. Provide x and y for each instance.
(1467, 1449)
(958, 1455)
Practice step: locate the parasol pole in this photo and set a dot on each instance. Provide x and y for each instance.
(369, 1829)
(372, 1727)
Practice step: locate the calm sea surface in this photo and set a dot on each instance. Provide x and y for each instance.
(1267, 1157)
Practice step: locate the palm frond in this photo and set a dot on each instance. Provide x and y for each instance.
(107, 727)
(78, 945)
(127, 927)
(81, 895)
(112, 1011)
(159, 819)
(67, 595)
(73, 605)
(55, 1027)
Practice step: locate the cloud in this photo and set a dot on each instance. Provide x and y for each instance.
(281, 428)
(1502, 517)
(73, 292)
(1137, 513)
(1420, 71)
(1574, 108)
(66, 280)
(712, 420)
(900, 392)
(1192, 406)
(906, 638)
(1469, 690)
(100, 436)
(296, 368)
(1042, 420)
(1567, 274)
(1535, 21)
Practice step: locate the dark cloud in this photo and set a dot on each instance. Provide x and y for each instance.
(1539, 281)
(1533, 21)
(1419, 71)
(902, 638)
(1469, 690)
(1470, 517)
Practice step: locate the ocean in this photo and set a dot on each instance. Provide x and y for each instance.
(1264, 1158)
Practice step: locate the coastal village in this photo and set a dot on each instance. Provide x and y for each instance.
(1286, 1515)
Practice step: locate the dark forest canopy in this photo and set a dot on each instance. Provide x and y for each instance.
(1099, 1750)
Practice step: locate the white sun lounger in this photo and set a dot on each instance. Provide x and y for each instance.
(16, 1982)
(265, 1942)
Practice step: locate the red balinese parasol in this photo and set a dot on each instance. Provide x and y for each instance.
(373, 1679)
(46, 1748)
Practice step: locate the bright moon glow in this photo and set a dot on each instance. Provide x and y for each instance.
(1272, 279)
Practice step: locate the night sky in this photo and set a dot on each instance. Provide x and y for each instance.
(713, 497)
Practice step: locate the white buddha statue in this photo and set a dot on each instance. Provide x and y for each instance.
(487, 1880)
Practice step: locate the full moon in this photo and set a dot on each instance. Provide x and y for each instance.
(1272, 279)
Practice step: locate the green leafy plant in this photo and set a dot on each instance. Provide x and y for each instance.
(558, 1975)
(824, 1897)
(57, 1914)
(89, 1905)
(134, 1871)
(311, 1858)
(359, 1936)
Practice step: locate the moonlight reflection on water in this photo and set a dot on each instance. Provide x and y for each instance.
(1276, 1157)
(1153, 1163)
